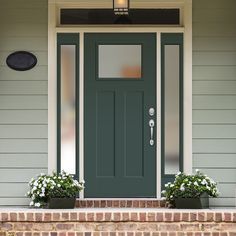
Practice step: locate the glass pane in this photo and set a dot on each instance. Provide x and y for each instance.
(68, 70)
(172, 123)
(119, 61)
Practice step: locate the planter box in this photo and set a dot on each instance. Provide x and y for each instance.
(192, 203)
(61, 203)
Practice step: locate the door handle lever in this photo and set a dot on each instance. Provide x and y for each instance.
(151, 125)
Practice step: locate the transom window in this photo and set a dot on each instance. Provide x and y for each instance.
(107, 16)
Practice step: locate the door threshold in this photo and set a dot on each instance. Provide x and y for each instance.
(120, 203)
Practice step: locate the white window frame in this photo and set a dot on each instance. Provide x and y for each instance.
(54, 27)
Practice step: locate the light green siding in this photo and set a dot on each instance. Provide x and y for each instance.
(23, 96)
(214, 94)
(23, 99)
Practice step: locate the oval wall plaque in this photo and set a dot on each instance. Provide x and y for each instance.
(21, 60)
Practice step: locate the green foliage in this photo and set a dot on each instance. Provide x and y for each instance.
(44, 187)
(190, 186)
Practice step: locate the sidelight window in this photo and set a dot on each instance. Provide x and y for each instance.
(67, 119)
(172, 105)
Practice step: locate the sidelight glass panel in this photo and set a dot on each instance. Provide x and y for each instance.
(172, 109)
(119, 61)
(68, 75)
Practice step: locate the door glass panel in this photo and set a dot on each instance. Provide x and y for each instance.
(172, 109)
(68, 144)
(119, 61)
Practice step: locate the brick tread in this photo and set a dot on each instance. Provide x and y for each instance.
(116, 233)
(120, 203)
(154, 215)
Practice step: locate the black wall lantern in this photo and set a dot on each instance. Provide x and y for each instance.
(121, 7)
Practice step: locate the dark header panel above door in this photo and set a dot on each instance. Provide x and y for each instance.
(107, 16)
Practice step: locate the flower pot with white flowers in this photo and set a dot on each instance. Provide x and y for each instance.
(56, 191)
(190, 191)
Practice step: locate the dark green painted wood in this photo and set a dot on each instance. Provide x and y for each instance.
(67, 39)
(119, 161)
(171, 39)
(105, 136)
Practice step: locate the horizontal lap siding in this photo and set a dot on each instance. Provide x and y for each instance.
(214, 94)
(23, 99)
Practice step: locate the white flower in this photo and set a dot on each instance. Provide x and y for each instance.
(81, 186)
(182, 188)
(195, 183)
(31, 203)
(197, 170)
(204, 182)
(163, 191)
(58, 185)
(212, 181)
(82, 182)
(36, 183)
(37, 204)
(178, 173)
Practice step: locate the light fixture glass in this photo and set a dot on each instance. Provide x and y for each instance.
(121, 7)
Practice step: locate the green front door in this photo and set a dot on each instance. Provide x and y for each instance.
(119, 90)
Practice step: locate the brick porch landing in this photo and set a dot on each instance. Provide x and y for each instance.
(117, 222)
(120, 203)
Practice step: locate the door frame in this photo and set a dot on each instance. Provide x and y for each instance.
(52, 86)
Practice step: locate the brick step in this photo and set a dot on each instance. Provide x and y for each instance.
(117, 222)
(120, 203)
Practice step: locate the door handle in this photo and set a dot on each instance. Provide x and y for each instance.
(151, 125)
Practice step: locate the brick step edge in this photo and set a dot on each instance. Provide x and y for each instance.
(116, 233)
(120, 203)
(142, 216)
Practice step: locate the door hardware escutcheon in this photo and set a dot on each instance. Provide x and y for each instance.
(151, 111)
(151, 125)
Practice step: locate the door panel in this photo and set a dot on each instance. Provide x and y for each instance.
(133, 142)
(105, 146)
(119, 160)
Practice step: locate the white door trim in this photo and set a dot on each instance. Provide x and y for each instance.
(52, 84)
